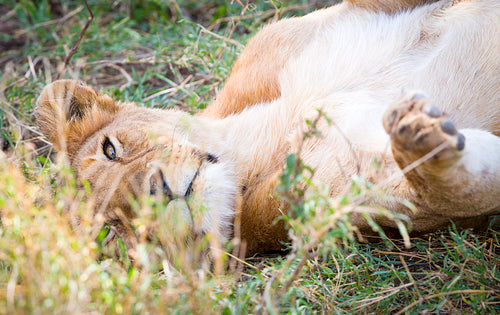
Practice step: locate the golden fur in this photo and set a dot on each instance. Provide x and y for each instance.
(350, 60)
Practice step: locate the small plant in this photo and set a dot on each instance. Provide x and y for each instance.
(55, 257)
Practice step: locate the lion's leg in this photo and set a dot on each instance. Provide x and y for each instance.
(450, 173)
(254, 77)
(389, 6)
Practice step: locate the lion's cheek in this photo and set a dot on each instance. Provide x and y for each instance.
(113, 188)
(216, 199)
(85, 164)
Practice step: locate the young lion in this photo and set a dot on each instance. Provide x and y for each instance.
(441, 153)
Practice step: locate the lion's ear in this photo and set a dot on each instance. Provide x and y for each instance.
(65, 107)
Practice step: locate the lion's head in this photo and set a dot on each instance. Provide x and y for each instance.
(124, 152)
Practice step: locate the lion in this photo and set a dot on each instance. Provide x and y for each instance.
(439, 142)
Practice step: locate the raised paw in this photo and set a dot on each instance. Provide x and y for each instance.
(419, 129)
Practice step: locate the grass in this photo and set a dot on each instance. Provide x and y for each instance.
(177, 54)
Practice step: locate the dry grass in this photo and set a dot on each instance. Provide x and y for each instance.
(177, 54)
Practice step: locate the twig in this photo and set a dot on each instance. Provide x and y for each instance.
(32, 67)
(124, 73)
(276, 11)
(261, 15)
(8, 15)
(410, 276)
(369, 301)
(265, 298)
(229, 40)
(382, 252)
(177, 87)
(11, 288)
(440, 295)
(143, 58)
(56, 21)
(351, 147)
(74, 49)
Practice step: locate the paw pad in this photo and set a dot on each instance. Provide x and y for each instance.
(417, 126)
(460, 142)
(432, 110)
(448, 127)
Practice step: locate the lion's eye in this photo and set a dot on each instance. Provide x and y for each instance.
(109, 149)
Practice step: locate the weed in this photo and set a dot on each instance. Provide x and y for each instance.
(55, 258)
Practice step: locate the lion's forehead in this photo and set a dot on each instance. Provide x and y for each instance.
(139, 136)
(139, 149)
(143, 127)
(153, 120)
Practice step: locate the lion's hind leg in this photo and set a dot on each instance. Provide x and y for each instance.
(389, 6)
(454, 173)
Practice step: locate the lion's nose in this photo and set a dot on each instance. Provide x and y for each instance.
(158, 184)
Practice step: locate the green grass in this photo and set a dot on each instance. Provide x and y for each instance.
(177, 54)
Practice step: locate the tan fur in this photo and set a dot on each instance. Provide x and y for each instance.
(388, 6)
(254, 76)
(230, 156)
(55, 106)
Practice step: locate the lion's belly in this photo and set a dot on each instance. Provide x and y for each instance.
(360, 63)
(357, 66)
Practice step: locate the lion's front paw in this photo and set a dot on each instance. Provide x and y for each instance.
(418, 128)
